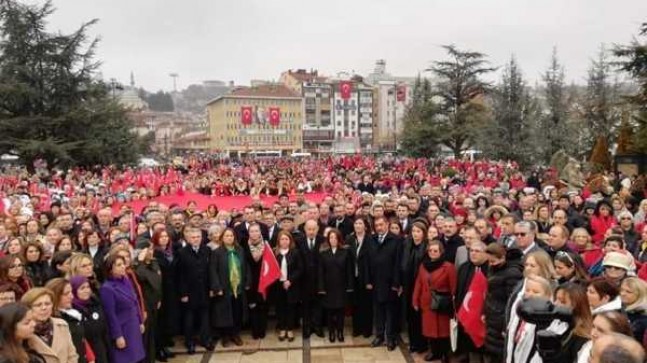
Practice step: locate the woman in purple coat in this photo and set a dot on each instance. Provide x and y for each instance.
(120, 305)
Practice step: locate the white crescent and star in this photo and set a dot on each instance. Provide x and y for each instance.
(466, 301)
(266, 268)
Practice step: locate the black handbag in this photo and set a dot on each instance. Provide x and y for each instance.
(442, 303)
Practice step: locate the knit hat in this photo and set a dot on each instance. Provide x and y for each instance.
(617, 259)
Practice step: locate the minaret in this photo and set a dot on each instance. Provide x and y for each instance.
(132, 79)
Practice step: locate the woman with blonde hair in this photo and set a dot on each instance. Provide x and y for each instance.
(539, 263)
(589, 252)
(52, 337)
(633, 294)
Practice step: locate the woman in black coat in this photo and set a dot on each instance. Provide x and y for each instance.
(505, 272)
(335, 281)
(169, 313)
(359, 244)
(94, 246)
(229, 280)
(286, 288)
(149, 277)
(94, 322)
(35, 266)
(415, 248)
(256, 245)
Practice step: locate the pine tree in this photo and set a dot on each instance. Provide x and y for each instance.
(508, 135)
(554, 124)
(51, 105)
(634, 62)
(461, 90)
(420, 137)
(599, 107)
(624, 142)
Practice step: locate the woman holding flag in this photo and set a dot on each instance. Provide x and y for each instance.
(230, 279)
(256, 299)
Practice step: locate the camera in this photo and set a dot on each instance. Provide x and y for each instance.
(554, 327)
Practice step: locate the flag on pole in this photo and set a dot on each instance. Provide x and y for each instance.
(270, 270)
(469, 314)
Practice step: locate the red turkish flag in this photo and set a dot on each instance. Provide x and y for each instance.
(345, 88)
(469, 314)
(270, 271)
(275, 116)
(401, 94)
(246, 115)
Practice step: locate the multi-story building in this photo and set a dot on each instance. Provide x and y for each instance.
(256, 120)
(318, 128)
(392, 99)
(352, 117)
(392, 96)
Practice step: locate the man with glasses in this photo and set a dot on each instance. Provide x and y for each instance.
(524, 237)
(470, 236)
(631, 236)
(478, 261)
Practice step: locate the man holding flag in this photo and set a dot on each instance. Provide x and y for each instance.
(471, 288)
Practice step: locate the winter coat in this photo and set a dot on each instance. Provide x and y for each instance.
(638, 319)
(335, 277)
(385, 274)
(95, 328)
(295, 270)
(62, 349)
(37, 272)
(599, 226)
(222, 310)
(502, 281)
(441, 280)
(123, 315)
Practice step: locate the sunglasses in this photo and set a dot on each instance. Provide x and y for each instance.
(562, 254)
(521, 234)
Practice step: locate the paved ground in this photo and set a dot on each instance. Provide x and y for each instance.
(313, 350)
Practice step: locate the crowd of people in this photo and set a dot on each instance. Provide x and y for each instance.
(397, 245)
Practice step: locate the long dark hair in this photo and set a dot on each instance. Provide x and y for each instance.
(10, 348)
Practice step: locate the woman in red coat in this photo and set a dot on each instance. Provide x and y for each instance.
(601, 221)
(437, 275)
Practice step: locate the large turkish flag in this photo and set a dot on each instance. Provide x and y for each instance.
(275, 116)
(270, 270)
(345, 88)
(246, 115)
(469, 314)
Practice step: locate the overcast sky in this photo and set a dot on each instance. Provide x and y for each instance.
(241, 40)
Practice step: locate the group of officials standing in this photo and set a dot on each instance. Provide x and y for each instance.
(351, 263)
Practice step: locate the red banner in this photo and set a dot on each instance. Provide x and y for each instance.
(401, 94)
(246, 115)
(345, 88)
(275, 116)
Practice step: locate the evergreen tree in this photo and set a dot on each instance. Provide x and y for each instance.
(160, 101)
(51, 106)
(420, 137)
(461, 91)
(554, 125)
(508, 135)
(599, 107)
(634, 61)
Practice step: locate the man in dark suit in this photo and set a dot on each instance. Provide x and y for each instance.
(193, 269)
(341, 222)
(308, 246)
(451, 240)
(196, 221)
(273, 227)
(385, 281)
(403, 218)
(242, 234)
(175, 229)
